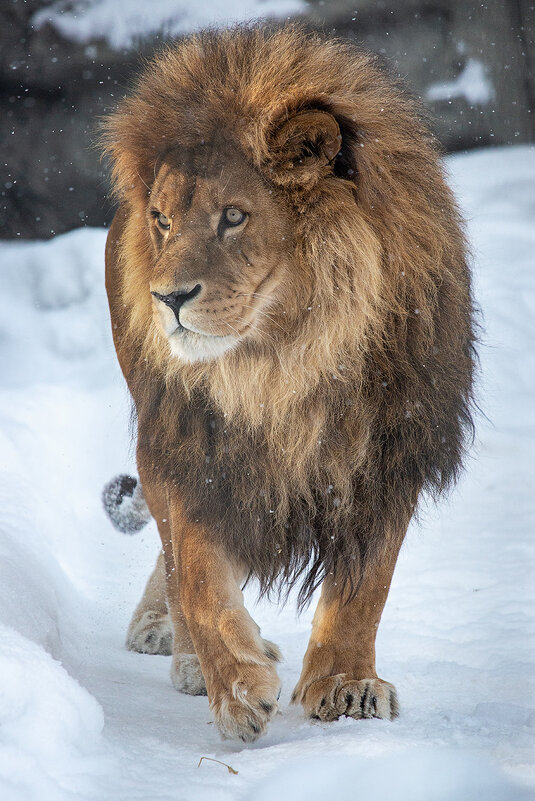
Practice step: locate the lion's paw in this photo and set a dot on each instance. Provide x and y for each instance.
(186, 674)
(332, 696)
(151, 634)
(244, 711)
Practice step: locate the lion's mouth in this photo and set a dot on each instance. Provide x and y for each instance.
(190, 345)
(190, 342)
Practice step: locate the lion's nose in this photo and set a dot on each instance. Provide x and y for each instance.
(175, 300)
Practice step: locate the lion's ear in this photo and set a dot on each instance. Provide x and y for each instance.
(304, 146)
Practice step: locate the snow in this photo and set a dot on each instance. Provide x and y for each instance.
(473, 84)
(51, 726)
(82, 718)
(122, 23)
(426, 775)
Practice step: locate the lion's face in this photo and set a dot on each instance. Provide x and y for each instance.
(221, 245)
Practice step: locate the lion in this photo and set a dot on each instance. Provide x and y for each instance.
(291, 308)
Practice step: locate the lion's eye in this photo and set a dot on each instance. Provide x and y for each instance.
(163, 221)
(233, 216)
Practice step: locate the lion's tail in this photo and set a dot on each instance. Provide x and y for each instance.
(125, 505)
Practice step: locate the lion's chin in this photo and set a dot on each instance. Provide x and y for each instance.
(189, 346)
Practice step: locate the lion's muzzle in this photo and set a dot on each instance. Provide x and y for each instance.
(188, 334)
(175, 300)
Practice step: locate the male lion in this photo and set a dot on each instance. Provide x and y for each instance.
(291, 309)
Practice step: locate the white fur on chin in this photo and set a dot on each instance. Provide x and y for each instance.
(187, 343)
(192, 347)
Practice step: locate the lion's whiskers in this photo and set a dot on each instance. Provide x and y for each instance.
(264, 313)
(253, 295)
(263, 334)
(232, 328)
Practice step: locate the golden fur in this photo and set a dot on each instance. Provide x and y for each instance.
(300, 450)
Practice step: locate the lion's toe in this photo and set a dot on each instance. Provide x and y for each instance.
(246, 720)
(368, 698)
(152, 633)
(320, 698)
(244, 711)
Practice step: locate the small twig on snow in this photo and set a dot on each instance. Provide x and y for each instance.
(230, 770)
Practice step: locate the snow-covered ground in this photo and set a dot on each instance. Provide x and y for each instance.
(82, 718)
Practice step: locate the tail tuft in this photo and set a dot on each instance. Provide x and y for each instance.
(123, 502)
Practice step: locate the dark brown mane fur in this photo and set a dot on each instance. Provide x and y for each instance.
(304, 452)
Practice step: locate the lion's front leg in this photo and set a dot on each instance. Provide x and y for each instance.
(238, 665)
(338, 675)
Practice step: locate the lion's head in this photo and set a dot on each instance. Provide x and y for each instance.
(223, 265)
(250, 228)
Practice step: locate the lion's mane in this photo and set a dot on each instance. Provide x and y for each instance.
(304, 452)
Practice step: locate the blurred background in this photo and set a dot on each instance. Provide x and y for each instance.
(64, 63)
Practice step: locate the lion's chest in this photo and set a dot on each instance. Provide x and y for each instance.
(227, 478)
